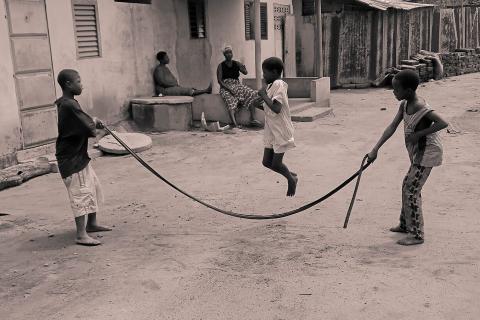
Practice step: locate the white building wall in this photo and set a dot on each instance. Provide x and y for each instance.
(9, 114)
(131, 35)
(227, 26)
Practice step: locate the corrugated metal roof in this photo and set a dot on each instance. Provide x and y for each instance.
(395, 4)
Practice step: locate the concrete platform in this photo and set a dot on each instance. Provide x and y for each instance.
(298, 87)
(162, 113)
(215, 110)
(311, 114)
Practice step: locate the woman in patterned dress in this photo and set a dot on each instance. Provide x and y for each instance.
(236, 95)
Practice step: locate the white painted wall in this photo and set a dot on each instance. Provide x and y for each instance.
(9, 115)
(130, 36)
(227, 26)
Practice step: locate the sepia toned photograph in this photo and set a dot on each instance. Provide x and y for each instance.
(239, 159)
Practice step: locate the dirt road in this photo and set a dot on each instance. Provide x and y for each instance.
(169, 258)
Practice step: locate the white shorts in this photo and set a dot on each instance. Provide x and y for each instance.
(84, 191)
(278, 145)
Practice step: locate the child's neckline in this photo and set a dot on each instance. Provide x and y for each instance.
(411, 114)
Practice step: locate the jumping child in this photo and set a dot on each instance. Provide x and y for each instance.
(74, 129)
(278, 131)
(424, 149)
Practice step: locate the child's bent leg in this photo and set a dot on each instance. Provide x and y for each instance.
(267, 158)
(280, 167)
(412, 200)
(402, 227)
(92, 225)
(82, 237)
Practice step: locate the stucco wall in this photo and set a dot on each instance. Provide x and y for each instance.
(9, 115)
(227, 26)
(130, 35)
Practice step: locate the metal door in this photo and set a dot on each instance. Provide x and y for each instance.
(33, 74)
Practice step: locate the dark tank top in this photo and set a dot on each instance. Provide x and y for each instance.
(232, 72)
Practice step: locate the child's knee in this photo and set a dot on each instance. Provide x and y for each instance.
(276, 165)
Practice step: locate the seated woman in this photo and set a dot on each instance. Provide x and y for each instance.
(166, 83)
(235, 94)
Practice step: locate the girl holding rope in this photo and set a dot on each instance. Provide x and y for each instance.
(424, 149)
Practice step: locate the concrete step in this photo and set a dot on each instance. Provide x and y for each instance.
(299, 105)
(311, 114)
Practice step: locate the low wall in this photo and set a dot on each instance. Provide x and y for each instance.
(215, 110)
(298, 87)
(162, 113)
(461, 62)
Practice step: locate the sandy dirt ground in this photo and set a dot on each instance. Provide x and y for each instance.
(170, 258)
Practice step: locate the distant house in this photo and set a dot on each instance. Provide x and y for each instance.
(361, 38)
(112, 43)
(456, 24)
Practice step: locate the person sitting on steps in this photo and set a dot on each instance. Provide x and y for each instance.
(166, 84)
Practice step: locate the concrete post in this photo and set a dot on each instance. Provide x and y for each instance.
(318, 39)
(258, 45)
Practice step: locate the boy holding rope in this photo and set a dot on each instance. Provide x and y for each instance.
(74, 129)
(424, 148)
(278, 131)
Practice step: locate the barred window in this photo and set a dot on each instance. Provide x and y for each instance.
(308, 7)
(249, 19)
(196, 16)
(87, 36)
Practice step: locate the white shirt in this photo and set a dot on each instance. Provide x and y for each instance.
(278, 132)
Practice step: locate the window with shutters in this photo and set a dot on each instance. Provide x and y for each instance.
(249, 20)
(308, 7)
(87, 35)
(196, 16)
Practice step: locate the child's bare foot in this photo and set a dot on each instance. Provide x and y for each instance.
(97, 228)
(410, 241)
(87, 241)
(292, 186)
(398, 229)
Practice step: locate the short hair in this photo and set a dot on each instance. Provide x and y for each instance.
(66, 75)
(273, 64)
(408, 79)
(161, 55)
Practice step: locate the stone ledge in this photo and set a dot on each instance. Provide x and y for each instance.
(213, 106)
(162, 100)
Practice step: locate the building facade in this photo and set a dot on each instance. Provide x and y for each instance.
(112, 43)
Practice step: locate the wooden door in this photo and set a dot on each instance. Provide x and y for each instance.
(33, 74)
(354, 47)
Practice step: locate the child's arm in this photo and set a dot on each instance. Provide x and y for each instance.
(387, 134)
(274, 105)
(259, 103)
(438, 124)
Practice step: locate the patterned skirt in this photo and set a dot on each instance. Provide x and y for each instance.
(242, 97)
